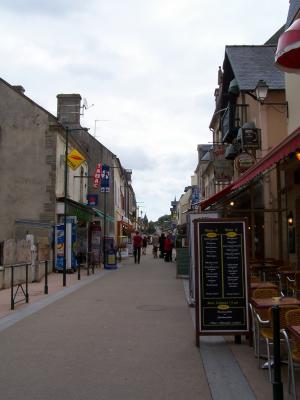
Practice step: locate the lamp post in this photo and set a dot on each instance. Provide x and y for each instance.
(68, 130)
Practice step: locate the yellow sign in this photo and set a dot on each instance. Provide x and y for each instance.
(75, 159)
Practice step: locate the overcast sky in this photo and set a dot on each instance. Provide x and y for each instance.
(148, 66)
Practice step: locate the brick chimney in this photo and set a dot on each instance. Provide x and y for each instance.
(68, 108)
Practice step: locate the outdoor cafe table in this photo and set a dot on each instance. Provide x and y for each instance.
(262, 285)
(262, 304)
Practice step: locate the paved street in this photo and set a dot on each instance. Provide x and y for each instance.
(127, 335)
(120, 334)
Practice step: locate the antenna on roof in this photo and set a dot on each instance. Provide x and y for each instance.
(85, 106)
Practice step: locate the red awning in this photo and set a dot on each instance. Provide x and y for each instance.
(287, 55)
(283, 149)
(289, 145)
(216, 197)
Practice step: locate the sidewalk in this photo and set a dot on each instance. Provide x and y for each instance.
(127, 334)
(36, 290)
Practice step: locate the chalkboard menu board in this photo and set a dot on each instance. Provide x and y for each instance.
(221, 276)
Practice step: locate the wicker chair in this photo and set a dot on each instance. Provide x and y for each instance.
(265, 331)
(255, 279)
(262, 293)
(293, 349)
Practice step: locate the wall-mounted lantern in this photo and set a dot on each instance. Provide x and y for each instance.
(290, 219)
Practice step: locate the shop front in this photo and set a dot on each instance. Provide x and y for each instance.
(83, 244)
(268, 194)
(124, 233)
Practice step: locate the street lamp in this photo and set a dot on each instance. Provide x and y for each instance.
(68, 130)
(261, 92)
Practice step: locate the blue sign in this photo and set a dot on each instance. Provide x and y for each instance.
(195, 195)
(92, 200)
(105, 178)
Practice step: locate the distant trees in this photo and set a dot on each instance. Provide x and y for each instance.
(163, 222)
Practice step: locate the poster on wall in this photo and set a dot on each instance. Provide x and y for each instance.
(60, 244)
(221, 276)
(71, 245)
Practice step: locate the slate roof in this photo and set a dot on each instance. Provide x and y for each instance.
(274, 39)
(293, 10)
(252, 63)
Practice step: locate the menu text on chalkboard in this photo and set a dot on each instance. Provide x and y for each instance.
(222, 275)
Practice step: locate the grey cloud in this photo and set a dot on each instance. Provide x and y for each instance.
(134, 158)
(47, 7)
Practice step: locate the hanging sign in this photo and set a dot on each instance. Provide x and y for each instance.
(75, 159)
(105, 178)
(97, 175)
(221, 276)
(223, 169)
(244, 161)
(251, 139)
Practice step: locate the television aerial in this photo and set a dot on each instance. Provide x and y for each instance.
(85, 105)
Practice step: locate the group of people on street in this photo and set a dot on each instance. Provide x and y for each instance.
(166, 245)
(163, 243)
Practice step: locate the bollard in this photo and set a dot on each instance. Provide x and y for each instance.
(78, 272)
(12, 303)
(26, 285)
(277, 384)
(46, 278)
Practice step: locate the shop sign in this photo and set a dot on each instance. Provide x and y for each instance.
(195, 195)
(92, 200)
(251, 138)
(97, 175)
(218, 152)
(105, 178)
(223, 171)
(75, 159)
(244, 161)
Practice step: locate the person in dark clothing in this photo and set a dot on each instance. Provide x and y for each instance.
(162, 245)
(145, 242)
(137, 244)
(168, 248)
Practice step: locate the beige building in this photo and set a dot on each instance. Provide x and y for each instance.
(249, 124)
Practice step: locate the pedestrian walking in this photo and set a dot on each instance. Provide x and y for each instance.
(137, 244)
(168, 248)
(162, 239)
(145, 242)
(155, 244)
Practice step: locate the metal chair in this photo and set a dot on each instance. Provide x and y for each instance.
(293, 349)
(260, 293)
(265, 331)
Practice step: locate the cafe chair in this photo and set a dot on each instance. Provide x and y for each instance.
(265, 332)
(260, 293)
(254, 328)
(293, 349)
(255, 279)
(290, 286)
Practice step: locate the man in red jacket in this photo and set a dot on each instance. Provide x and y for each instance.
(137, 244)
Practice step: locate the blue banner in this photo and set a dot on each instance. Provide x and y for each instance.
(105, 178)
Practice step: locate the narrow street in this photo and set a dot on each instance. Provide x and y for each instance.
(127, 335)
